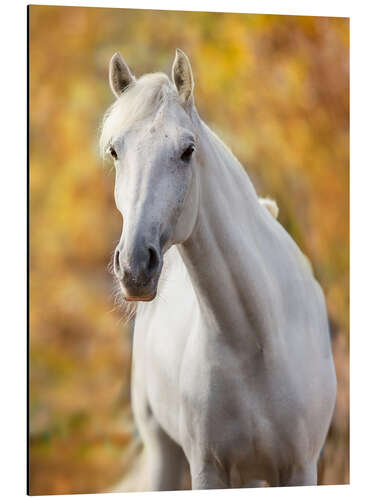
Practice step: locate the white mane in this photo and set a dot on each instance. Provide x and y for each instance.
(139, 100)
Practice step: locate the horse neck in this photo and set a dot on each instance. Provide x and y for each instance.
(218, 255)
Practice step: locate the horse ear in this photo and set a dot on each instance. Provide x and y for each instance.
(183, 76)
(120, 75)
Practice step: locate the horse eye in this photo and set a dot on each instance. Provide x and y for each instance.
(186, 155)
(113, 153)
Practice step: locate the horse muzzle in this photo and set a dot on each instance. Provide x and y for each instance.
(138, 272)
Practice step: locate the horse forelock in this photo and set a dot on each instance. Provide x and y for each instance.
(140, 99)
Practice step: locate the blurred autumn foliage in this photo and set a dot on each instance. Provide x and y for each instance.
(276, 89)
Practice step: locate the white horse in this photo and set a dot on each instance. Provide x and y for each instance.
(232, 365)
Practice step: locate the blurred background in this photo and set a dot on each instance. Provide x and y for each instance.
(276, 90)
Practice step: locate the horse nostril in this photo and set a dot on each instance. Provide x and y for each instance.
(117, 264)
(153, 260)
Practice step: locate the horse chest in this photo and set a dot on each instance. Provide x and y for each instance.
(220, 403)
